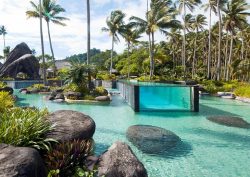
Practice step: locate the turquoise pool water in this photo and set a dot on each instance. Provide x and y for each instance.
(207, 149)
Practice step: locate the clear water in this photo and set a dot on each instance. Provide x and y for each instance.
(165, 98)
(207, 149)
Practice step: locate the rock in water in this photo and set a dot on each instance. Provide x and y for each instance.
(151, 139)
(230, 121)
(20, 162)
(120, 161)
(71, 125)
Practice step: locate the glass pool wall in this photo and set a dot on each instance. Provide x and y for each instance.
(159, 97)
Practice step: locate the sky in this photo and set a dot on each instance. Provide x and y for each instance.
(71, 39)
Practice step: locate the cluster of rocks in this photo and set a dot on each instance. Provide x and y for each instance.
(7, 89)
(44, 89)
(118, 160)
(56, 96)
(20, 60)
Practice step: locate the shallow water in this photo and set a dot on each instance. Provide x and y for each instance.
(207, 149)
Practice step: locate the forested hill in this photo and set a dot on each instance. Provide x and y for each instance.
(83, 57)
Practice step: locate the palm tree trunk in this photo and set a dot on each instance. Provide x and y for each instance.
(209, 47)
(4, 41)
(219, 44)
(184, 41)
(151, 56)
(51, 49)
(42, 44)
(230, 58)
(128, 60)
(242, 49)
(153, 53)
(88, 42)
(226, 57)
(194, 57)
(111, 62)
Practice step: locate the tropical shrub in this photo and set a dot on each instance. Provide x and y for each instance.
(2, 84)
(6, 101)
(100, 91)
(243, 90)
(37, 86)
(25, 127)
(67, 157)
(105, 76)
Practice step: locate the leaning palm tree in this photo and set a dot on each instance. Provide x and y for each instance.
(3, 32)
(115, 26)
(50, 11)
(183, 5)
(199, 23)
(161, 16)
(88, 41)
(236, 14)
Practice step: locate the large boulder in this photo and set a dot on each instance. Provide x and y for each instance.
(230, 121)
(7, 89)
(19, 60)
(120, 161)
(20, 162)
(73, 95)
(151, 139)
(70, 125)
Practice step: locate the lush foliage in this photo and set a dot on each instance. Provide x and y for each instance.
(6, 101)
(2, 84)
(66, 159)
(105, 76)
(83, 57)
(25, 127)
(243, 90)
(216, 86)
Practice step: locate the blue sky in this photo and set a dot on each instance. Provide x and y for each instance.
(72, 38)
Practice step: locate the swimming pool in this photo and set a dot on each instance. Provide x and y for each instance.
(207, 149)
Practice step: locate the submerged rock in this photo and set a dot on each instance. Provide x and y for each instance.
(71, 125)
(20, 162)
(230, 121)
(120, 161)
(151, 139)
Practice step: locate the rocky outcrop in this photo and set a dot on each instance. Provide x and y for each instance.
(19, 60)
(70, 125)
(230, 121)
(7, 89)
(120, 161)
(151, 139)
(20, 162)
(73, 95)
(102, 98)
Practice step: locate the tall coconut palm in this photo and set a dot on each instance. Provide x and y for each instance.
(3, 32)
(50, 11)
(236, 13)
(88, 40)
(115, 26)
(161, 16)
(183, 5)
(212, 7)
(199, 23)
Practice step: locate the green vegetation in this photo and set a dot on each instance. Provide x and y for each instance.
(6, 101)
(2, 84)
(69, 158)
(25, 127)
(243, 90)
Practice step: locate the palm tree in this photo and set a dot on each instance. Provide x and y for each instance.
(236, 13)
(211, 5)
(161, 16)
(199, 23)
(131, 36)
(88, 41)
(183, 5)
(3, 32)
(115, 26)
(50, 11)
